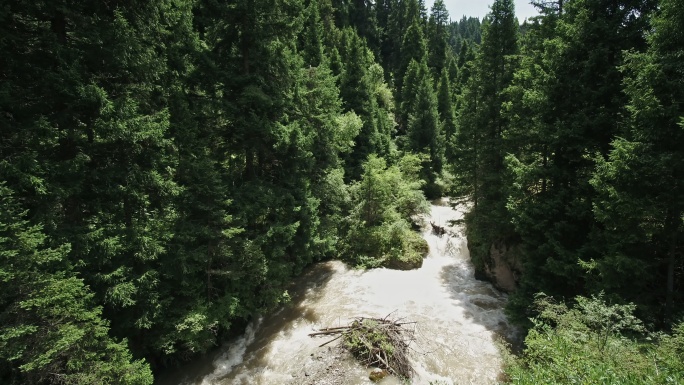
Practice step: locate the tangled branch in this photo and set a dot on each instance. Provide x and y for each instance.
(379, 342)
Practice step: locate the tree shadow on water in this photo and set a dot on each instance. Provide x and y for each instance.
(481, 302)
(309, 286)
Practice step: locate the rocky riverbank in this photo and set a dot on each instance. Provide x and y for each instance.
(329, 366)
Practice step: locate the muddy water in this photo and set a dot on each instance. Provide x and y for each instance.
(458, 321)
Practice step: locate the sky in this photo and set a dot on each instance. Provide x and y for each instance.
(479, 8)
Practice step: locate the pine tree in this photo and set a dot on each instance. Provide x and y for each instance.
(437, 37)
(413, 47)
(359, 89)
(408, 96)
(481, 146)
(107, 172)
(311, 40)
(577, 101)
(640, 185)
(447, 113)
(363, 16)
(424, 131)
(52, 331)
(396, 27)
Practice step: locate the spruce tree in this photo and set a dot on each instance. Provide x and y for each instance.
(358, 88)
(437, 37)
(481, 137)
(447, 112)
(577, 102)
(106, 171)
(311, 39)
(424, 131)
(52, 330)
(640, 184)
(413, 47)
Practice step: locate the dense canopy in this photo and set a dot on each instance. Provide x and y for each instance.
(168, 167)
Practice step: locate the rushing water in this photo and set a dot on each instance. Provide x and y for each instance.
(458, 321)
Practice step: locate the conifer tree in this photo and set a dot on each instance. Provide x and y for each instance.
(577, 101)
(359, 88)
(640, 185)
(424, 131)
(396, 27)
(437, 37)
(413, 47)
(481, 137)
(107, 174)
(408, 96)
(52, 330)
(447, 113)
(311, 39)
(363, 16)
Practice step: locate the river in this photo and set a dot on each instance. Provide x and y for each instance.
(459, 320)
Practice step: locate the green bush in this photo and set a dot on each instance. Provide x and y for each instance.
(385, 200)
(595, 343)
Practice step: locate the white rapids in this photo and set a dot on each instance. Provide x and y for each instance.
(459, 319)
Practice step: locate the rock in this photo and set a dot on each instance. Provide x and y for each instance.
(377, 374)
(503, 268)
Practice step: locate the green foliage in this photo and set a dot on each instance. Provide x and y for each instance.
(447, 112)
(413, 45)
(421, 128)
(383, 204)
(368, 332)
(639, 184)
(52, 330)
(364, 92)
(595, 343)
(466, 31)
(192, 156)
(438, 36)
(311, 39)
(169, 166)
(525, 136)
(480, 143)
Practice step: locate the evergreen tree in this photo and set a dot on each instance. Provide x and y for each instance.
(408, 96)
(385, 12)
(424, 132)
(363, 16)
(413, 49)
(481, 146)
(465, 65)
(359, 88)
(577, 100)
(640, 185)
(437, 37)
(311, 39)
(447, 113)
(106, 178)
(52, 331)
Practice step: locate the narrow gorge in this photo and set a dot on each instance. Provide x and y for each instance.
(459, 321)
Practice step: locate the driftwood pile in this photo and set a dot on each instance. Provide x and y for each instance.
(378, 342)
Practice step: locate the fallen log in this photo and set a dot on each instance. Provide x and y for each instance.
(437, 229)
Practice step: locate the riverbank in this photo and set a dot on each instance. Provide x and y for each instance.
(330, 366)
(458, 320)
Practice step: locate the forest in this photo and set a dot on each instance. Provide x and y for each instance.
(168, 167)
